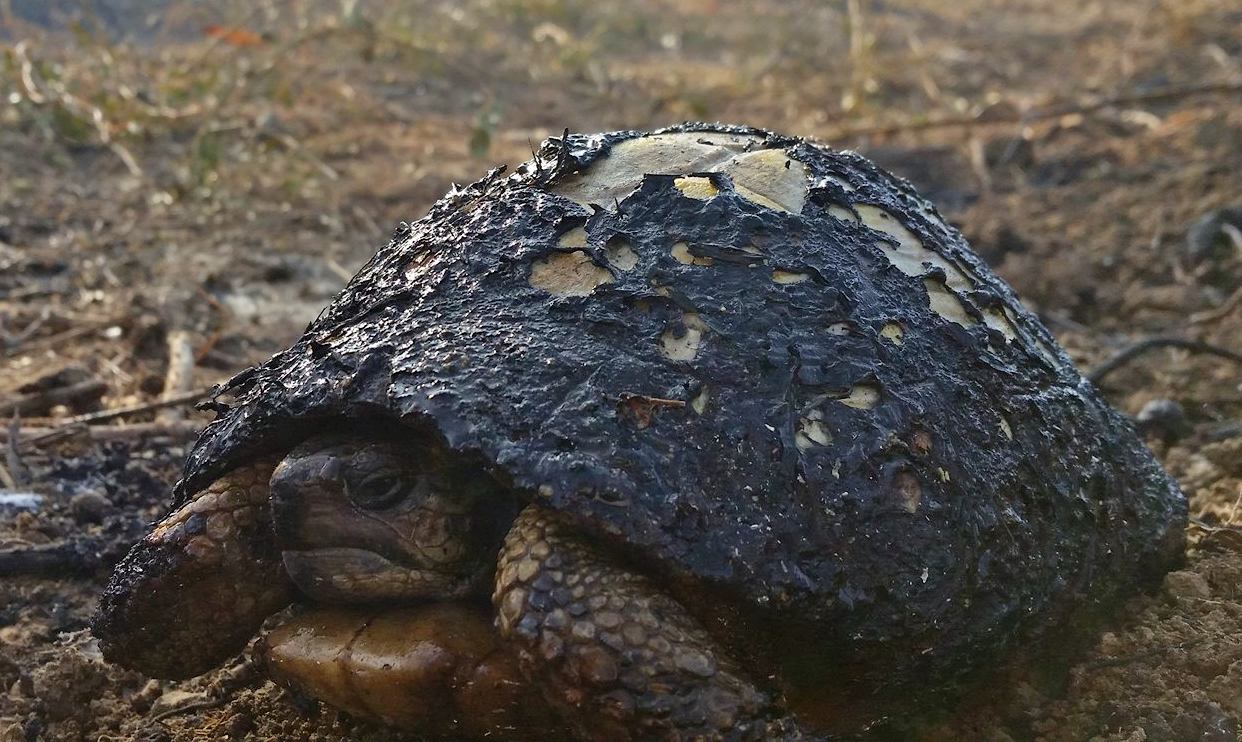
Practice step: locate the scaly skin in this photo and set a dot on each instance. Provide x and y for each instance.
(621, 659)
(195, 590)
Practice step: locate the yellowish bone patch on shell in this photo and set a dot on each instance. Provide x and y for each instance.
(681, 253)
(811, 431)
(616, 175)
(842, 213)
(842, 183)
(862, 397)
(568, 274)
(699, 403)
(621, 256)
(683, 344)
(770, 178)
(999, 319)
(576, 237)
(786, 277)
(1006, 428)
(695, 186)
(909, 254)
(945, 303)
(892, 332)
(1046, 352)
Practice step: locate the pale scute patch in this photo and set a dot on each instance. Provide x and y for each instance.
(681, 253)
(910, 254)
(770, 178)
(999, 319)
(945, 303)
(576, 237)
(862, 397)
(842, 213)
(621, 256)
(683, 345)
(568, 274)
(780, 276)
(694, 186)
(892, 332)
(616, 175)
(699, 403)
(811, 431)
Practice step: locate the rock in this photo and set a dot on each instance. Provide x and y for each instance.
(89, 506)
(1163, 419)
(1111, 645)
(1213, 236)
(1207, 722)
(146, 696)
(175, 699)
(12, 502)
(1227, 689)
(1185, 584)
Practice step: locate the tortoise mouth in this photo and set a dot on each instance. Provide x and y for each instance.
(353, 575)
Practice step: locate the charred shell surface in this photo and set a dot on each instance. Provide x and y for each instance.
(816, 408)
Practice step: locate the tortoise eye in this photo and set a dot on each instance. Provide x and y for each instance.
(378, 491)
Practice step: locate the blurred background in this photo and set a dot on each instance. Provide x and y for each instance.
(183, 185)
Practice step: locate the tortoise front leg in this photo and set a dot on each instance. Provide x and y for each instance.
(438, 669)
(195, 589)
(619, 658)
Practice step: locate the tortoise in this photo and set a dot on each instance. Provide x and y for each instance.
(765, 451)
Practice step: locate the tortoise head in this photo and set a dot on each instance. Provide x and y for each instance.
(363, 520)
(346, 518)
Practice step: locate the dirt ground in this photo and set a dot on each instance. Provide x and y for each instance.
(198, 183)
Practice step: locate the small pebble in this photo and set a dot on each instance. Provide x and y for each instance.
(1111, 645)
(147, 695)
(18, 501)
(1212, 236)
(1163, 419)
(240, 725)
(89, 506)
(1183, 584)
(175, 699)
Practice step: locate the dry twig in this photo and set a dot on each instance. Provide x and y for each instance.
(179, 376)
(1224, 310)
(1127, 355)
(88, 390)
(1171, 93)
(46, 436)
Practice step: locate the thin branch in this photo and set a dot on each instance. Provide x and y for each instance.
(1224, 310)
(47, 436)
(1134, 351)
(72, 557)
(92, 418)
(1038, 114)
(89, 390)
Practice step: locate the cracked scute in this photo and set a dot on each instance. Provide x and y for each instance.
(767, 177)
